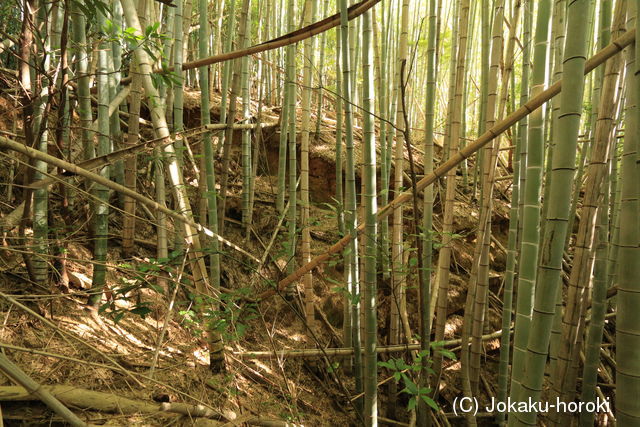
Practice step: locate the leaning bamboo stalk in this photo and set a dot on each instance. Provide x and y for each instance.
(161, 129)
(35, 154)
(290, 38)
(133, 150)
(114, 105)
(534, 103)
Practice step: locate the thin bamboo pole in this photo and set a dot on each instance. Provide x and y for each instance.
(370, 412)
(444, 257)
(307, 81)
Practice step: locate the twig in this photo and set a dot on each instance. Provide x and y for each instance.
(167, 317)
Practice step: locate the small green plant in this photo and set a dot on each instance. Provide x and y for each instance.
(223, 315)
(402, 373)
(124, 293)
(144, 276)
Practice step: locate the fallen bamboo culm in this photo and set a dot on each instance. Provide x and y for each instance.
(530, 106)
(346, 351)
(36, 391)
(105, 402)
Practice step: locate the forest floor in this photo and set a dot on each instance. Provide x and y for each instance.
(48, 331)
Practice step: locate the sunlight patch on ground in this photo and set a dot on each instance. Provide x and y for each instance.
(262, 366)
(201, 355)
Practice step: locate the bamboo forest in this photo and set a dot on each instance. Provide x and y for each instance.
(319, 213)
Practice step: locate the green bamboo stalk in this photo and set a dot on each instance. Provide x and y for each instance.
(227, 140)
(339, 198)
(485, 55)
(495, 111)
(130, 176)
(82, 63)
(282, 153)
(246, 134)
(564, 377)
(598, 311)
(226, 68)
(370, 412)
(514, 221)
(380, 60)
(614, 229)
(115, 65)
(293, 163)
(558, 33)
(452, 74)
(531, 205)
(561, 178)
(162, 248)
(398, 270)
(444, 259)
(308, 53)
(557, 49)
(350, 253)
(321, 80)
(101, 221)
(595, 80)
(476, 295)
(216, 351)
(427, 209)
(339, 141)
(209, 160)
(627, 337)
(39, 268)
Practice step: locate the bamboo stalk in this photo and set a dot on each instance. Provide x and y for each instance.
(347, 351)
(534, 103)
